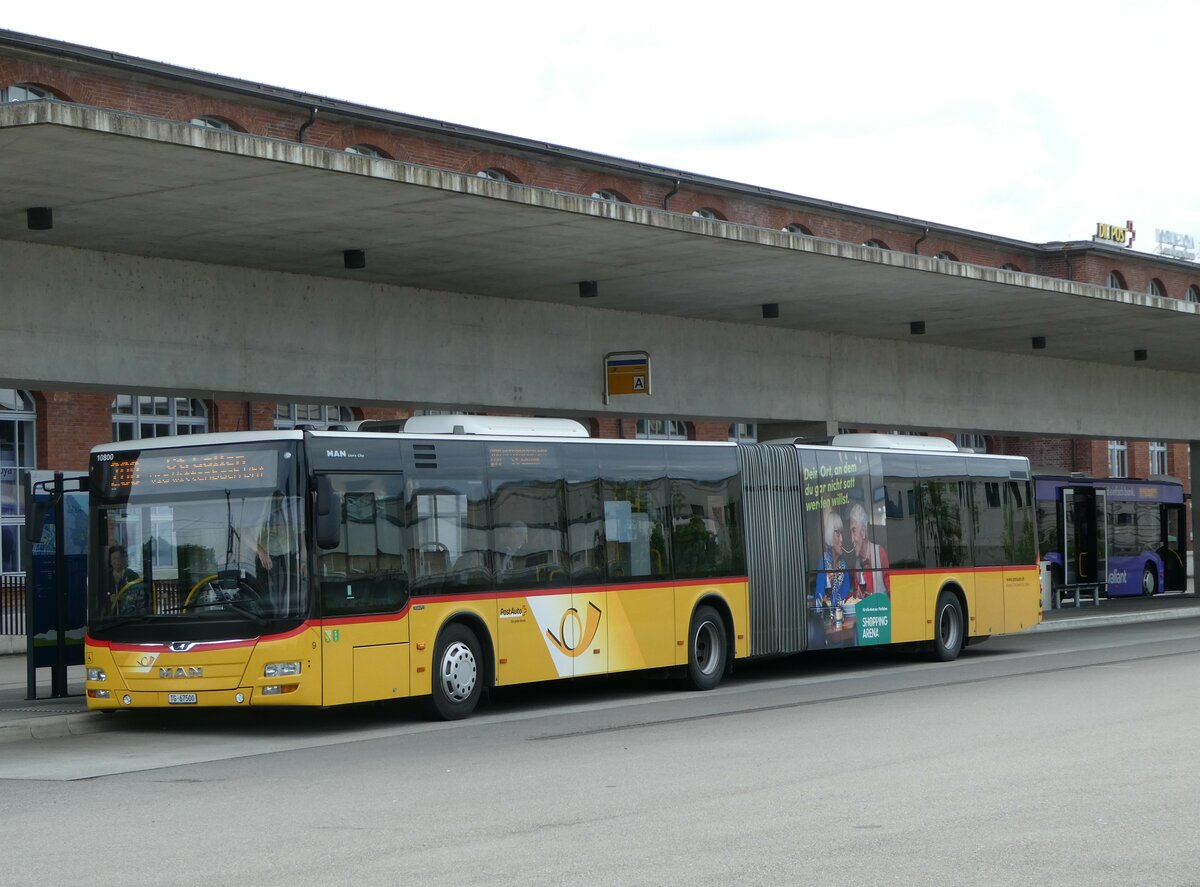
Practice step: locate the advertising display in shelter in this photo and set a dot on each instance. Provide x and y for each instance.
(53, 621)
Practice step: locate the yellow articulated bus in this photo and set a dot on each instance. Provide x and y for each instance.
(320, 568)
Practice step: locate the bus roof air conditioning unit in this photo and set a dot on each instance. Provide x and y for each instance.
(895, 442)
(516, 426)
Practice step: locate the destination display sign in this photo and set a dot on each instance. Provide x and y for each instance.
(118, 474)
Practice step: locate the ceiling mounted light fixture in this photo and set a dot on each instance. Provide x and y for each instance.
(39, 218)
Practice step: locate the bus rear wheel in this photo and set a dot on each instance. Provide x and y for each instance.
(707, 649)
(457, 678)
(947, 627)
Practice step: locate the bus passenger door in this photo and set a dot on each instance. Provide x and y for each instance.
(566, 636)
(585, 628)
(987, 616)
(1173, 548)
(1085, 554)
(363, 588)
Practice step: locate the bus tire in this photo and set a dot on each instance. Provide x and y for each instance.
(708, 649)
(1149, 581)
(458, 673)
(947, 627)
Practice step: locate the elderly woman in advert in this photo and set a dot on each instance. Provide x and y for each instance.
(868, 559)
(833, 584)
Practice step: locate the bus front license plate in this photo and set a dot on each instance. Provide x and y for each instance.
(181, 698)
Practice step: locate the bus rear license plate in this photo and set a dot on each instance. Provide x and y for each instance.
(181, 698)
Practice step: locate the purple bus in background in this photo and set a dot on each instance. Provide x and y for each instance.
(1127, 536)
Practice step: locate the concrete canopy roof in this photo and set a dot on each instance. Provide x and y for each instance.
(149, 187)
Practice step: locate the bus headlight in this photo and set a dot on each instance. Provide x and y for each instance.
(96, 674)
(281, 669)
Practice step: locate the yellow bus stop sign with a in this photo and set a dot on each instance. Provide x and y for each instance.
(626, 372)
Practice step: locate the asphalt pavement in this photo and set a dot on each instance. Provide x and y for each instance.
(48, 716)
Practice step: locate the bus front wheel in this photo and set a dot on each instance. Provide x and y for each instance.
(947, 627)
(1149, 581)
(457, 678)
(707, 649)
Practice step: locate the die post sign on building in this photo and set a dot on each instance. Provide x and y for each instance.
(626, 372)
(1115, 233)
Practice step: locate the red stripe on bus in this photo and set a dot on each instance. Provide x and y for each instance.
(568, 589)
(939, 571)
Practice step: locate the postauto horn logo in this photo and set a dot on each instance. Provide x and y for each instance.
(574, 636)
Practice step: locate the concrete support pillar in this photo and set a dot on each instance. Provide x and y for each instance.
(1194, 511)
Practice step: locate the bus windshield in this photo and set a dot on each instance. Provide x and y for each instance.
(204, 545)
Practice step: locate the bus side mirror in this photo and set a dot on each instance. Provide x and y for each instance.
(329, 515)
(36, 520)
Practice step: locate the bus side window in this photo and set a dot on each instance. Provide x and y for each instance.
(527, 507)
(585, 516)
(636, 513)
(448, 536)
(1020, 527)
(900, 486)
(705, 513)
(942, 511)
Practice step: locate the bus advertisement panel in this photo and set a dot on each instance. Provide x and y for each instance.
(849, 602)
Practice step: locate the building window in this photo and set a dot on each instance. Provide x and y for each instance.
(219, 123)
(1115, 281)
(364, 151)
(136, 417)
(946, 256)
(974, 443)
(24, 92)
(17, 454)
(744, 432)
(1193, 294)
(705, 212)
(610, 196)
(661, 429)
(1158, 457)
(496, 175)
(1156, 288)
(797, 228)
(311, 415)
(1118, 458)
(875, 244)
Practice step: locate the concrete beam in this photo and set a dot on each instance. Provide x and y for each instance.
(79, 319)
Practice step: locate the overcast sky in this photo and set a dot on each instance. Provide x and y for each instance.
(1018, 119)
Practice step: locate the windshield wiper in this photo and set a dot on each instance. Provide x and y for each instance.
(237, 607)
(125, 620)
(233, 605)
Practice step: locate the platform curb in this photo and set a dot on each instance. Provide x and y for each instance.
(1100, 621)
(38, 726)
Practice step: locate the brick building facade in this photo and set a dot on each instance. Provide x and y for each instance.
(68, 424)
